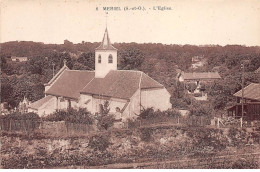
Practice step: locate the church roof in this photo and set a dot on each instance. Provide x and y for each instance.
(70, 83)
(117, 84)
(106, 44)
(120, 84)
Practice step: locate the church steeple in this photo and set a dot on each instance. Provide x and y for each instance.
(105, 57)
(106, 44)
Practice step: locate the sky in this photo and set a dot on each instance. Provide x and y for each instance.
(198, 22)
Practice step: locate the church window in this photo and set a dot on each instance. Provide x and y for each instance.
(99, 58)
(110, 59)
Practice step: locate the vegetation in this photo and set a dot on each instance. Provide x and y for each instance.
(71, 115)
(105, 120)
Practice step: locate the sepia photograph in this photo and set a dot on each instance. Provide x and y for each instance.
(130, 84)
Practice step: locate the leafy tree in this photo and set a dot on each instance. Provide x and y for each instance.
(131, 58)
(87, 59)
(105, 120)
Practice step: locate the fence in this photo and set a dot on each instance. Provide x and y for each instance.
(25, 125)
(46, 127)
(183, 120)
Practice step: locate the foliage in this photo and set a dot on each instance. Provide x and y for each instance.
(199, 109)
(105, 120)
(243, 163)
(131, 58)
(191, 87)
(146, 134)
(21, 116)
(99, 143)
(71, 115)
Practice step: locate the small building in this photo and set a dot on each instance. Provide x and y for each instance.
(251, 103)
(19, 59)
(197, 81)
(127, 91)
(197, 77)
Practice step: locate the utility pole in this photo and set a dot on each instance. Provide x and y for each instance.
(242, 103)
(243, 83)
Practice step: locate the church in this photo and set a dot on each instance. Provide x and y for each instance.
(127, 91)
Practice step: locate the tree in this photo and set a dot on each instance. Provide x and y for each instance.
(131, 58)
(105, 120)
(87, 59)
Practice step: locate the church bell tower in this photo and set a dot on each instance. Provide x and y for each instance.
(105, 57)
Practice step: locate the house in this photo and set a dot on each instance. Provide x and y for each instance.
(197, 77)
(19, 59)
(197, 61)
(251, 99)
(197, 80)
(127, 91)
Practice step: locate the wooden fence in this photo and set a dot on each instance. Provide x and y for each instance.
(183, 120)
(25, 125)
(46, 127)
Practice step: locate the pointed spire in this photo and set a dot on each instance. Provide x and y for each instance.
(106, 44)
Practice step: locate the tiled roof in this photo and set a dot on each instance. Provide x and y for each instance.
(70, 83)
(106, 44)
(201, 75)
(36, 105)
(120, 84)
(251, 91)
(117, 83)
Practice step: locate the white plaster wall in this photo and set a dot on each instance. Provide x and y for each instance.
(101, 69)
(134, 107)
(156, 98)
(82, 102)
(112, 104)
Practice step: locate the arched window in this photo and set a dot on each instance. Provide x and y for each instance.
(99, 58)
(110, 59)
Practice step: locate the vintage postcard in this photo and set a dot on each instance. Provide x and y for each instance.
(148, 84)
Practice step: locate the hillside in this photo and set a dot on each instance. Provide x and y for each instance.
(157, 60)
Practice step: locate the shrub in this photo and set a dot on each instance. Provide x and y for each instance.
(245, 164)
(75, 116)
(105, 122)
(146, 134)
(99, 143)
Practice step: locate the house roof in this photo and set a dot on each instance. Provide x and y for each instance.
(70, 83)
(36, 105)
(201, 75)
(120, 84)
(106, 44)
(252, 91)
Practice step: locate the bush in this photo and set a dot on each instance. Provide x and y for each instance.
(105, 120)
(99, 143)
(75, 116)
(146, 134)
